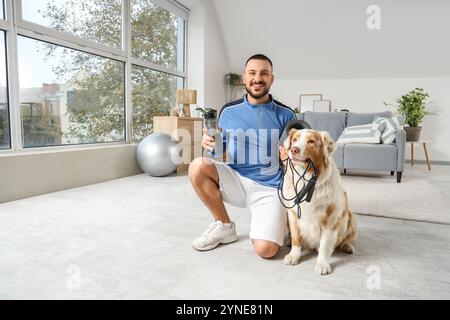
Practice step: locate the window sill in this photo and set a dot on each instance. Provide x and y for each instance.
(58, 149)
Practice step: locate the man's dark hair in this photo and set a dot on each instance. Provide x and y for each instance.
(259, 56)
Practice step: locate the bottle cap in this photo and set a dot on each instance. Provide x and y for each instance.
(210, 114)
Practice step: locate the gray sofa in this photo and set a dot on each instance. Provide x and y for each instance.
(359, 156)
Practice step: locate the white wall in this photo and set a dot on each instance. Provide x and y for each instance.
(207, 61)
(195, 55)
(216, 60)
(367, 95)
(325, 39)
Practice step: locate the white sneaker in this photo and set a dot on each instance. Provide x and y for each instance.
(216, 234)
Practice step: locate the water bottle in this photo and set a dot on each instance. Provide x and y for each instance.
(213, 131)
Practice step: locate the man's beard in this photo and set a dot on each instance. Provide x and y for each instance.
(259, 95)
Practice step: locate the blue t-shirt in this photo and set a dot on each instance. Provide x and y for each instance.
(251, 135)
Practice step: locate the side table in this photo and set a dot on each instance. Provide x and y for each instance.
(424, 143)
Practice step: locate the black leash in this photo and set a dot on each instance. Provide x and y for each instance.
(307, 190)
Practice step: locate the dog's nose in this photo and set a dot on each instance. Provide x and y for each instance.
(295, 150)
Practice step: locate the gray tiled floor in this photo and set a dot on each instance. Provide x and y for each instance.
(130, 238)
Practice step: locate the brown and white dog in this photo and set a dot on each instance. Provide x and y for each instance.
(326, 222)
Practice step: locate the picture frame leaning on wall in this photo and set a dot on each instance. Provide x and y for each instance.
(307, 101)
(322, 105)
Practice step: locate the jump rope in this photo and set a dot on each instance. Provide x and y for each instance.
(307, 185)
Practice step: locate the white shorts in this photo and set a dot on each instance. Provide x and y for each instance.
(268, 216)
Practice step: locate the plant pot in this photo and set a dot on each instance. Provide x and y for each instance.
(413, 133)
(233, 80)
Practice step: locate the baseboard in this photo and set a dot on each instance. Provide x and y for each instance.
(441, 163)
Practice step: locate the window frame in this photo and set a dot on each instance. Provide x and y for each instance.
(7, 86)
(64, 35)
(2, 6)
(181, 52)
(15, 26)
(7, 26)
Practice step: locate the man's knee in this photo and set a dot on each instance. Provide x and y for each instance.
(195, 167)
(200, 168)
(265, 249)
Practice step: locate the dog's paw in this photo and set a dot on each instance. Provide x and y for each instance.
(291, 259)
(323, 267)
(347, 248)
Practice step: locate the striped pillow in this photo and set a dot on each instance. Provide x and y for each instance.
(392, 126)
(367, 133)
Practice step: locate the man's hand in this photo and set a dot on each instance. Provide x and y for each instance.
(283, 153)
(208, 141)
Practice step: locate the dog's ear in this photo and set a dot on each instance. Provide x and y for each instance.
(329, 145)
(287, 141)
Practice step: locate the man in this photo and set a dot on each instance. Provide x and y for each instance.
(251, 129)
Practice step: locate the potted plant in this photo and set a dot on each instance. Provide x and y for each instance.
(413, 107)
(203, 110)
(233, 79)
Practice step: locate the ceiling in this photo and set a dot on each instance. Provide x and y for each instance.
(330, 39)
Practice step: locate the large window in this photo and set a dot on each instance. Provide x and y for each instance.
(69, 97)
(87, 71)
(96, 20)
(4, 114)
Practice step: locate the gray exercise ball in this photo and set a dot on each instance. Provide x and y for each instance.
(158, 154)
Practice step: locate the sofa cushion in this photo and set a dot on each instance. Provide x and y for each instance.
(338, 156)
(356, 119)
(333, 122)
(370, 157)
(367, 133)
(392, 125)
